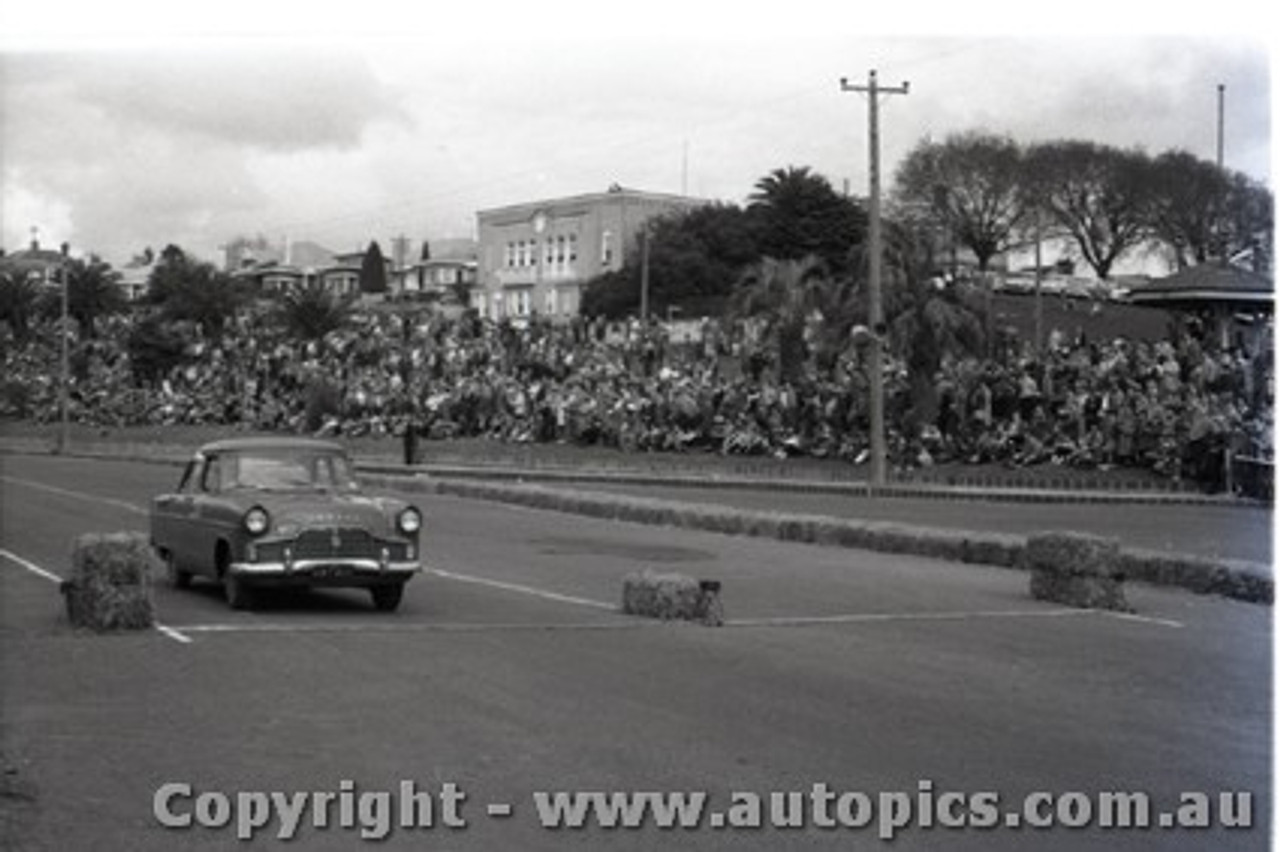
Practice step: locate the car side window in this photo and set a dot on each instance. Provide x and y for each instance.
(211, 478)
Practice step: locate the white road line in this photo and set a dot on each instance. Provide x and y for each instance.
(46, 574)
(524, 590)
(415, 627)
(78, 495)
(1141, 619)
(30, 566)
(173, 633)
(874, 617)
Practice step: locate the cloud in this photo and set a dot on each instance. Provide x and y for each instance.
(372, 138)
(159, 146)
(278, 100)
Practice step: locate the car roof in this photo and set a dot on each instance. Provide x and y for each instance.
(236, 444)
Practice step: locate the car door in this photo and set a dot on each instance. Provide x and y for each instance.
(202, 523)
(171, 518)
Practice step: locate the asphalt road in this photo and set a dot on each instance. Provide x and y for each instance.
(1234, 532)
(506, 672)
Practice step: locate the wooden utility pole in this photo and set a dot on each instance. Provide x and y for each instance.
(1222, 89)
(64, 386)
(644, 273)
(876, 312)
(1039, 293)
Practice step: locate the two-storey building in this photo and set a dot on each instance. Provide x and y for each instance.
(536, 257)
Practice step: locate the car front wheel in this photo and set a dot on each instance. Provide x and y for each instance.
(387, 598)
(236, 591)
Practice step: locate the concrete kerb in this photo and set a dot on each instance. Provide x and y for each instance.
(1236, 579)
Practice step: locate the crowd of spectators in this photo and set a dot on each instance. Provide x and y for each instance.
(1174, 407)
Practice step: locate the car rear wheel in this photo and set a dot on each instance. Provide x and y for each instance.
(178, 578)
(387, 598)
(236, 591)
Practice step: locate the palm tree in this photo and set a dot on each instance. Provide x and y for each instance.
(93, 291)
(925, 323)
(311, 313)
(789, 294)
(19, 299)
(797, 213)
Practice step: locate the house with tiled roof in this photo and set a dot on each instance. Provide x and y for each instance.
(34, 263)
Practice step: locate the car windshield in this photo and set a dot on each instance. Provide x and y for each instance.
(288, 470)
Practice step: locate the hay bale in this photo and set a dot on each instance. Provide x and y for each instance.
(1077, 570)
(110, 583)
(672, 596)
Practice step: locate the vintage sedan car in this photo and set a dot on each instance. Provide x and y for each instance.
(283, 512)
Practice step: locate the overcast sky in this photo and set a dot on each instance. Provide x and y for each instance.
(120, 133)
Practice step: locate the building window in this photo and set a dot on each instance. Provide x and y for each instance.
(606, 248)
(548, 252)
(549, 302)
(573, 248)
(560, 250)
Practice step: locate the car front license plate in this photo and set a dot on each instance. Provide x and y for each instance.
(331, 571)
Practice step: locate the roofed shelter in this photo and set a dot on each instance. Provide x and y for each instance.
(1220, 294)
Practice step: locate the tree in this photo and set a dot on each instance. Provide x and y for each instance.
(373, 270)
(1202, 212)
(1188, 195)
(93, 291)
(695, 256)
(155, 347)
(796, 213)
(791, 295)
(926, 323)
(1101, 196)
(311, 313)
(19, 301)
(971, 184)
(189, 290)
(1249, 221)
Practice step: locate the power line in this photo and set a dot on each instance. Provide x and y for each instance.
(416, 206)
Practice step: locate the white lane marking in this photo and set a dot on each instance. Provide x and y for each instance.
(874, 617)
(171, 632)
(1141, 619)
(416, 627)
(78, 495)
(31, 566)
(524, 590)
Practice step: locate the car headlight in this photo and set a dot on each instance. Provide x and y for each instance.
(409, 521)
(256, 520)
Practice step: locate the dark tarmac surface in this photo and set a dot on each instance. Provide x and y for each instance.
(507, 672)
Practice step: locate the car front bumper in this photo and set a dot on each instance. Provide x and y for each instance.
(325, 572)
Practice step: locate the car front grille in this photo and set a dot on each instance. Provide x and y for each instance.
(349, 543)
